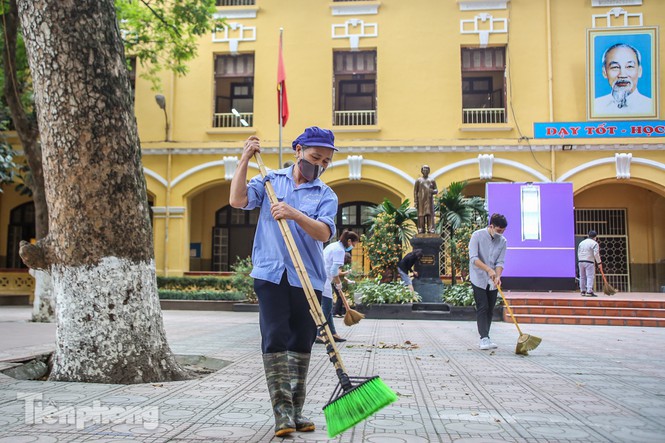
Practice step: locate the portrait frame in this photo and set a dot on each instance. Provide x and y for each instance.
(643, 39)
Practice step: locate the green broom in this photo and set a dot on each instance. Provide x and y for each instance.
(355, 398)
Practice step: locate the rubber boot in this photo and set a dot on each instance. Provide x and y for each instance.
(276, 366)
(298, 366)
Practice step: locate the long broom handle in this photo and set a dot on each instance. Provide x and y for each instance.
(603, 274)
(340, 294)
(314, 306)
(510, 311)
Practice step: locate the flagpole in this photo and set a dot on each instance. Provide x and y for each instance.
(280, 131)
(281, 98)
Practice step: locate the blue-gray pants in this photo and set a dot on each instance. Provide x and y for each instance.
(326, 307)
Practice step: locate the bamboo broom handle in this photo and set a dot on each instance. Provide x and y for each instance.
(510, 311)
(340, 294)
(314, 307)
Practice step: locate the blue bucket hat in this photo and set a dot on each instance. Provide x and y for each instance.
(315, 136)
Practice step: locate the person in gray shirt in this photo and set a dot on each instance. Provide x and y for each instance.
(487, 250)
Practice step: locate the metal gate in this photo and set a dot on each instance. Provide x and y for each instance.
(611, 226)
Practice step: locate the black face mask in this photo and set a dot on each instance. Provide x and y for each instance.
(310, 171)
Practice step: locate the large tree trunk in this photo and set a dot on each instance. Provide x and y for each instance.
(28, 133)
(99, 248)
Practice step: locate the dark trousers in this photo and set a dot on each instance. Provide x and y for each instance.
(338, 308)
(284, 318)
(326, 307)
(485, 301)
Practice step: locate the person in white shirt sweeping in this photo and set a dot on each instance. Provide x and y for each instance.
(588, 254)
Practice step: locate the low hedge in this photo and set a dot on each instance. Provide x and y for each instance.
(216, 284)
(239, 286)
(166, 294)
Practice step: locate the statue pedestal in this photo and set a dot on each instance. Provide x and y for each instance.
(428, 284)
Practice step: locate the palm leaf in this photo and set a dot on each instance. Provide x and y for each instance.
(405, 218)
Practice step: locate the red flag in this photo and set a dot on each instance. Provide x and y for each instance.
(283, 104)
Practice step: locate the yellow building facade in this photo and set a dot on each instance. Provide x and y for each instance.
(479, 90)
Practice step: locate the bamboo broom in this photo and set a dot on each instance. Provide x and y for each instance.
(355, 398)
(608, 289)
(352, 317)
(525, 342)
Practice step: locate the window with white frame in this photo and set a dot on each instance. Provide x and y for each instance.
(483, 85)
(354, 83)
(234, 91)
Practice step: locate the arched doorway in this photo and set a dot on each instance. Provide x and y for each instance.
(232, 236)
(21, 227)
(628, 219)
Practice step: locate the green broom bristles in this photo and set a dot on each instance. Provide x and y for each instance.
(356, 405)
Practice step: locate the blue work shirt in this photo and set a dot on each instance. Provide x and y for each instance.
(269, 255)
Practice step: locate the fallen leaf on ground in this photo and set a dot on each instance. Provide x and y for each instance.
(381, 345)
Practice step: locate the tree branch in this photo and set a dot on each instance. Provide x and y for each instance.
(26, 128)
(160, 18)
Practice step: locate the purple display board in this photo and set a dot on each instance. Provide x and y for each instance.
(552, 256)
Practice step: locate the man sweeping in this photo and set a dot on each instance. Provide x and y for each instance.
(588, 254)
(309, 207)
(487, 251)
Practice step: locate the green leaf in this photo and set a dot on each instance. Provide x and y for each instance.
(163, 34)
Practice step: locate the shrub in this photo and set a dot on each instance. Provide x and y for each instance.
(375, 292)
(241, 281)
(461, 250)
(459, 295)
(383, 247)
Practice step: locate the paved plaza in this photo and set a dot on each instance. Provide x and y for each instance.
(583, 384)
